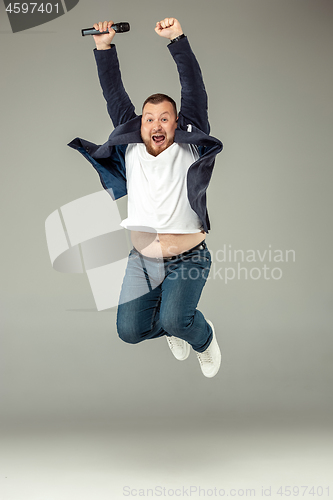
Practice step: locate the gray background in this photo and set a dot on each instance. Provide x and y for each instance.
(267, 67)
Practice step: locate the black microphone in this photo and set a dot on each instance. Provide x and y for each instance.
(117, 27)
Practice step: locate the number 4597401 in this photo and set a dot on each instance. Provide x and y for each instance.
(29, 8)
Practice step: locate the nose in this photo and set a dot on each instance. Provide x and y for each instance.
(157, 126)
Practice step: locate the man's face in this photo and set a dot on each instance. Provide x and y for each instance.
(158, 126)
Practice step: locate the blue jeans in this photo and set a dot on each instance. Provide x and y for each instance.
(160, 297)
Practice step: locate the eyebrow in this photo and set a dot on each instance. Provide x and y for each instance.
(164, 112)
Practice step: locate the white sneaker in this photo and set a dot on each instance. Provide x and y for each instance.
(179, 348)
(210, 359)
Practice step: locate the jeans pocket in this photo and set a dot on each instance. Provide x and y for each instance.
(133, 254)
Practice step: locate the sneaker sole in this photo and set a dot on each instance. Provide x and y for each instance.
(211, 375)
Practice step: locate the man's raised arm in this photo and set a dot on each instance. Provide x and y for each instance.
(119, 105)
(194, 102)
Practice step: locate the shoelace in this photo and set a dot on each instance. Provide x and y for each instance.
(175, 342)
(205, 357)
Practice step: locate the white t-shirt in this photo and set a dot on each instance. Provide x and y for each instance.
(157, 190)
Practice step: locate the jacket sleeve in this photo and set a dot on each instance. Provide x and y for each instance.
(119, 105)
(194, 101)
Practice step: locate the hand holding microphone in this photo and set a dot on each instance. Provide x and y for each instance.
(103, 33)
(117, 27)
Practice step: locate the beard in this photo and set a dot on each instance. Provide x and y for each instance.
(155, 152)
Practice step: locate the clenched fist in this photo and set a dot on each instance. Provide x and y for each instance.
(169, 28)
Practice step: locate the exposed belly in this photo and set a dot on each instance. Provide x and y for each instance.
(165, 245)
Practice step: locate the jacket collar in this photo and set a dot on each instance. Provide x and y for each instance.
(130, 132)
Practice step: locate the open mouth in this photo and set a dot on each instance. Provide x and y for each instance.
(158, 139)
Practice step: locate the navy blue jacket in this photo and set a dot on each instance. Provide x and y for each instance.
(109, 158)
